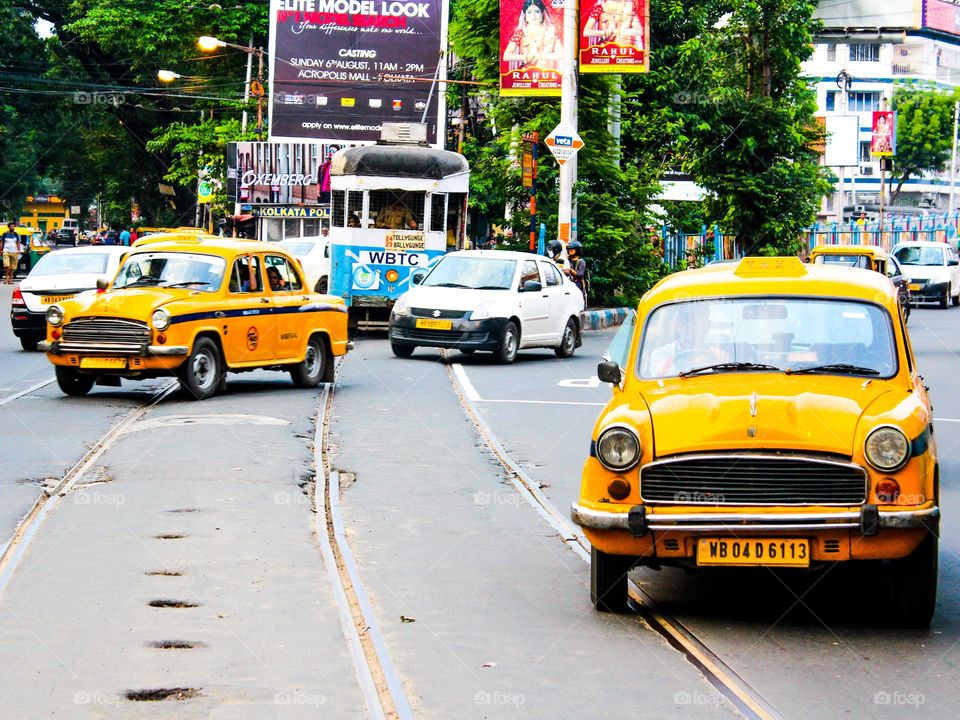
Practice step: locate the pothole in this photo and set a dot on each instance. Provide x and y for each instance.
(176, 644)
(184, 510)
(173, 604)
(169, 573)
(161, 694)
(169, 537)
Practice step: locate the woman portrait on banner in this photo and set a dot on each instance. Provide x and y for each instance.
(881, 140)
(535, 42)
(615, 21)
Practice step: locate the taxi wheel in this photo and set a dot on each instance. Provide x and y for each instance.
(507, 352)
(72, 382)
(568, 343)
(402, 351)
(309, 373)
(608, 580)
(200, 374)
(916, 585)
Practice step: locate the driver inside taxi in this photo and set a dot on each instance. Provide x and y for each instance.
(276, 282)
(680, 341)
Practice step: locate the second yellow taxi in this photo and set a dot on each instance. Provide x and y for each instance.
(197, 307)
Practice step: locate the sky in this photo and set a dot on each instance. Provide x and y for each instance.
(44, 29)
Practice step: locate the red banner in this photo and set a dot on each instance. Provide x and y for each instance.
(614, 36)
(531, 47)
(883, 138)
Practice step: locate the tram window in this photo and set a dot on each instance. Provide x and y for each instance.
(354, 206)
(438, 208)
(396, 209)
(338, 201)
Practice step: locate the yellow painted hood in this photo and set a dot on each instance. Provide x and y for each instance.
(134, 304)
(817, 413)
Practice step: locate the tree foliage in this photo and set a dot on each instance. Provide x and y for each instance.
(924, 130)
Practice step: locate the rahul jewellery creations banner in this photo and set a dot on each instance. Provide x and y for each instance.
(614, 36)
(531, 47)
(340, 68)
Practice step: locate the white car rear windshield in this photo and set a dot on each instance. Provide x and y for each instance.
(475, 273)
(757, 334)
(298, 247)
(919, 255)
(64, 262)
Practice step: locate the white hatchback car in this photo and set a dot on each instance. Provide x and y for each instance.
(57, 276)
(493, 300)
(933, 271)
(313, 253)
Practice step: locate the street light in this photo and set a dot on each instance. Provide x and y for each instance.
(209, 44)
(167, 76)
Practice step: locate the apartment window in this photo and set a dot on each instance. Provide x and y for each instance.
(831, 52)
(865, 151)
(865, 52)
(831, 103)
(863, 101)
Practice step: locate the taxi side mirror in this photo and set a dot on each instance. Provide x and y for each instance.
(951, 263)
(609, 372)
(102, 284)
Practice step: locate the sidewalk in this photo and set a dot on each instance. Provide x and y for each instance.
(600, 318)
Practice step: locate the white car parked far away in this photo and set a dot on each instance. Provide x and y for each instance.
(314, 256)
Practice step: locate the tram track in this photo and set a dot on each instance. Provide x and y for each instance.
(14, 549)
(378, 677)
(721, 676)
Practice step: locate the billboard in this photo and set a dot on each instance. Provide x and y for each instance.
(614, 36)
(340, 68)
(883, 134)
(942, 15)
(870, 13)
(280, 174)
(531, 47)
(842, 141)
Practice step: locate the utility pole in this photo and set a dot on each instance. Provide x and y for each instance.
(953, 156)
(843, 82)
(246, 89)
(568, 117)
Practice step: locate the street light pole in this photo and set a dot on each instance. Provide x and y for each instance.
(246, 89)
(568, 117)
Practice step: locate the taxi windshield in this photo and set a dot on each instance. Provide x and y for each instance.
(757, 334)
(476, 273)
(862, 261)
(171, 269)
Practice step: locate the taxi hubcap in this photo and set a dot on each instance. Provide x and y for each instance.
(203, 369)
(312, 360)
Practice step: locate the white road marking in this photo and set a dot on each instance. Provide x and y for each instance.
(541, 402)
(29, 390)
(468, 388)
(946, 420)
(592, 382)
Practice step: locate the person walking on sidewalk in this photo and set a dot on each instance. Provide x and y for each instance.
(11, 253)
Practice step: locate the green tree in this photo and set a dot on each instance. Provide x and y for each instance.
(924, 130)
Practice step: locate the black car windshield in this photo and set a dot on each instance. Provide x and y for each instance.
(756, 334)
(475, 273)
(64, 262)
(171, 269)
(919, 255)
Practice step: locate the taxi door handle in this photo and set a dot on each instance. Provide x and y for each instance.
(219, 314)
(264, 301)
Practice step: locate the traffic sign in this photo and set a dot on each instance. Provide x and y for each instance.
(204, 191)
(563, 142)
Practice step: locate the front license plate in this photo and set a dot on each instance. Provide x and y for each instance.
(50, 299)
(435, 324)
(753, 551)
(103, 363)
(914, 286)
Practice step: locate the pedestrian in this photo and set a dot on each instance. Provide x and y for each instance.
(124, 238)
(134, 235)
(11, 253)
(577, 269)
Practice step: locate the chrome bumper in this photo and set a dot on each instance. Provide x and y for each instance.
(640, 520)
(58, 347)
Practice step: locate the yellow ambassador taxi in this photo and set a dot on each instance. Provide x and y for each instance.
(766, 413)
(197, 307)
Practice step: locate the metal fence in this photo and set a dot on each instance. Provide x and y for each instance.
(681, 249)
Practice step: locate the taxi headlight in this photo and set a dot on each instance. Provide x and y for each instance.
(401, 308)
(484, 311)
(618, 448)
(887, 449)
(55, 315)
(160, 319)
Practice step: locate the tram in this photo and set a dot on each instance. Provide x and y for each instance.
(395, 208)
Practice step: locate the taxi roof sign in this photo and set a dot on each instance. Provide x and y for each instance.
(771, 267)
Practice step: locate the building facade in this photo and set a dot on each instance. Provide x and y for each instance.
(878, 44)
